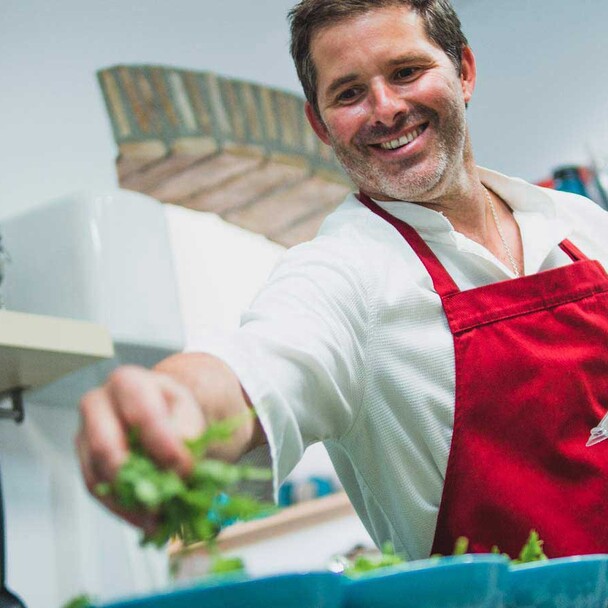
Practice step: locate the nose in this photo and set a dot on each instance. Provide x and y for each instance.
(387, 103)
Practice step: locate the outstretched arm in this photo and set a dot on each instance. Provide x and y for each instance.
(174, 401)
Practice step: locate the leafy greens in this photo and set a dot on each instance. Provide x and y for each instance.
(193, 509)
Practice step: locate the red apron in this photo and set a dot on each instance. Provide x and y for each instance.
(531, 362)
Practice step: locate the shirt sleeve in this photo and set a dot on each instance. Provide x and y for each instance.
(299, 353)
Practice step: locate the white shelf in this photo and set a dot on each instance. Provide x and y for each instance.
(289, 519)
(37, 349)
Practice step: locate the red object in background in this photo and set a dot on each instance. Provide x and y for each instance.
(547, 183)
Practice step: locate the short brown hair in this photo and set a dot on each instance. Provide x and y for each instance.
(441, 24)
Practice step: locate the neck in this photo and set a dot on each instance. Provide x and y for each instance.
(463, 200)
(470, 208)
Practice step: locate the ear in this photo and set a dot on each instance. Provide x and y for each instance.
(318, 126)
(468, 73)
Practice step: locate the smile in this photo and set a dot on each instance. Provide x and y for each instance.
(408, 138)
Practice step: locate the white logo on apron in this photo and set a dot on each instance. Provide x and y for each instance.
(599, 432)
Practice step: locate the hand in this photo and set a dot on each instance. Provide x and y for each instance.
(164, 411)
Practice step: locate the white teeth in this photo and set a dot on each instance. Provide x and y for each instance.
(406, 139)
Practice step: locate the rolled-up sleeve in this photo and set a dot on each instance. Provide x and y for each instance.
(300, 351)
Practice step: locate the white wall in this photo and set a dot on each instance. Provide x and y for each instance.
(542, 91)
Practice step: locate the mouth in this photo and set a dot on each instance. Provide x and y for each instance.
(404, 140)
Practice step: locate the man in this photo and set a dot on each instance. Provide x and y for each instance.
(443, 335)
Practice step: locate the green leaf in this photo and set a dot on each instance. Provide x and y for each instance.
(532, 551)
(388, 548)
(224, 565)
(82, 601)
(217, 472)
(218, 432)
(461, 546)
(201, 500)
(367, 563)
(147, 493)
(249, 473)
(103, 489)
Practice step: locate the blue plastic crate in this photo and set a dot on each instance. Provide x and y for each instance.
(310, 590)
(569, 582)
(468, 581)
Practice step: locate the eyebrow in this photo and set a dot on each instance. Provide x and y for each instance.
(348, 78)
(339, 83)
(411, 58)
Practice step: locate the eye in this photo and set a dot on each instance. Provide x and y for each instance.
(348, 95)
(406, 73)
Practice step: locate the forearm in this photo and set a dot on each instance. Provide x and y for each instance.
(220, 395)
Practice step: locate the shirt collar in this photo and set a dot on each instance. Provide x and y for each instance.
(519, 195)
(534, 209)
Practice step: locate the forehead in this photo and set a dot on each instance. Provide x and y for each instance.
(375, 36)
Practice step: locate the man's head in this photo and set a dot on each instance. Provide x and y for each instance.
(441, 24)
(386, 96)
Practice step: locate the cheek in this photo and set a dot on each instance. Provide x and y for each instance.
(439, 91)
(345, 123)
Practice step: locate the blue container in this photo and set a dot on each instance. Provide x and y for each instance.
(310, 590)
(467, 581)
(569, 179)
(568, 582)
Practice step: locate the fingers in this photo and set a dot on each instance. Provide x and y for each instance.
(102, 442)
(101, 448)
(163, 411)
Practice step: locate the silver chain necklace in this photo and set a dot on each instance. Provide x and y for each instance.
(501, 233)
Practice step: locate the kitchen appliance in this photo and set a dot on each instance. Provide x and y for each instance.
(99, 257)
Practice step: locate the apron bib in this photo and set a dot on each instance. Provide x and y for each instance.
(531, 363)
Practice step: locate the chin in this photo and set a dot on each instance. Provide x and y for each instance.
(411, 185)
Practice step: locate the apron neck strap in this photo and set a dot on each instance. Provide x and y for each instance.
(573, 252)
(442, 281)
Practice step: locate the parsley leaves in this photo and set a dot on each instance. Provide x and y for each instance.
(193, 509)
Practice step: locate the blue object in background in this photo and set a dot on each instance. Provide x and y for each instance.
(286, 494)
(569, 179)
(293, 492)
(323, 486)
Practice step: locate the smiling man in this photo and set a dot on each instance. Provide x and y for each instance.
(394, 108)
(444, 335)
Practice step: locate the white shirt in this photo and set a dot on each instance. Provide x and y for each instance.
(347, 344)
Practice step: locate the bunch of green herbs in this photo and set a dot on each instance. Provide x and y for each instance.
(192, 509)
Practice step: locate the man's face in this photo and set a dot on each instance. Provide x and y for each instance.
(392, 104)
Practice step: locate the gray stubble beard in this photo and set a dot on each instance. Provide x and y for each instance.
(407, 184)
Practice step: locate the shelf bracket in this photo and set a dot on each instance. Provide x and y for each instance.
(15, 410)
